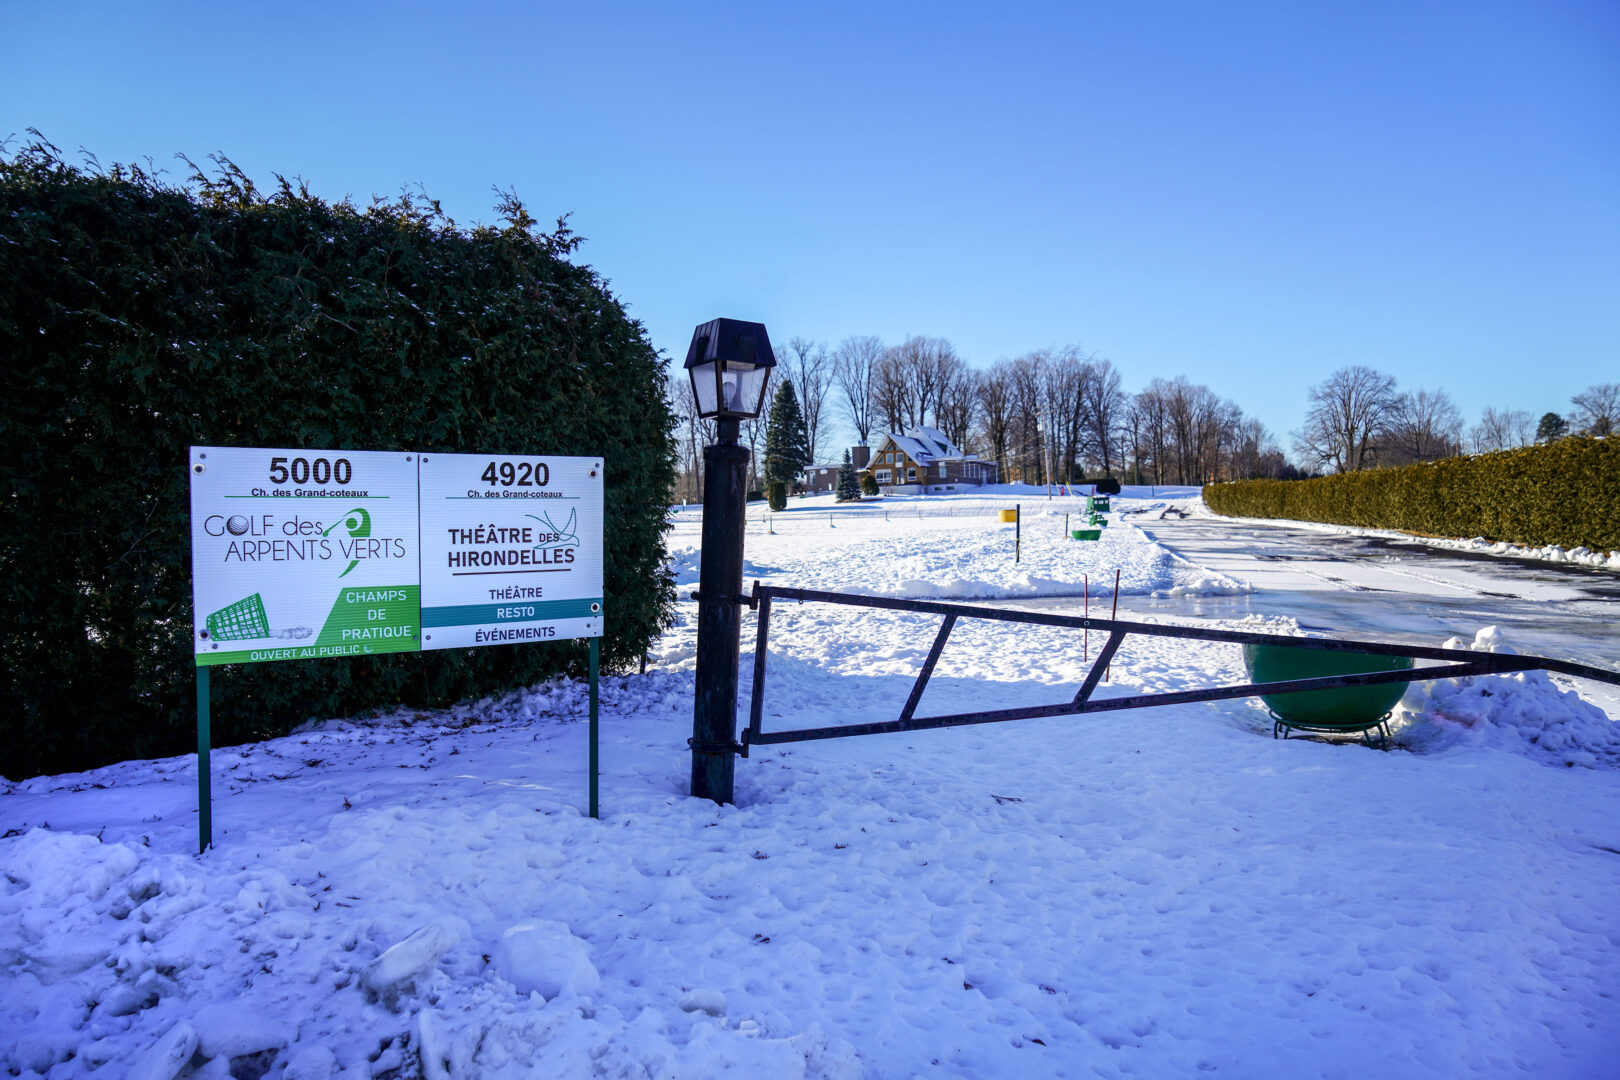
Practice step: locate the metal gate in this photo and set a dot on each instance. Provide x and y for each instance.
(1455, 663)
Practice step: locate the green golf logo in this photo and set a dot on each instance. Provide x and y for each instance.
(358, 522)
(246, 620)
(240, 621)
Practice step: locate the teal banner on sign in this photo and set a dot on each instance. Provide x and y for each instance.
(468, 614)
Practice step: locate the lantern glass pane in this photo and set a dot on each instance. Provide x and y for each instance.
(748, 388)
(705, 387)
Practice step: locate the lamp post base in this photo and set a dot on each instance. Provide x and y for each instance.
(714, 708)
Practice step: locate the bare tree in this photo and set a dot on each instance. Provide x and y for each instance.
(1103, 402)
(1501, 430)
(1133, 427)
(1195, 423)
(1153, 415)
(693, 433)
(958, 404)
(1348, 413)
(1027, 445)
(1054, 414)
(808, 365)
(931, 361)
(1214, 422)
(894, 396)
(1524, 428)
(1252, 450)
(1424, 426)
(753, 437)
(1062, 372)
(913, 378)
(1598, 408)
(994, 396)
(855, 364)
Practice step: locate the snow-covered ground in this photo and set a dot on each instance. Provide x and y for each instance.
(1157, 893)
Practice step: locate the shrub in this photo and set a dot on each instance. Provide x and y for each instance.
(1565, 493)
(778, 495)
(138, 317)
(868, 485)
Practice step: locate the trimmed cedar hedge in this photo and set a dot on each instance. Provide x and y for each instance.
(139, 317)
(1565, 493)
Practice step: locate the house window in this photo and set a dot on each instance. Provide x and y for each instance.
(882, 476)
(942, 470)
(911, 476)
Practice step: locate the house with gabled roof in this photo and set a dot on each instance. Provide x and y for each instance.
(822, 478)
(924, 462)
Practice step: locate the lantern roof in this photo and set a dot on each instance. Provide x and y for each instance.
(732, 341)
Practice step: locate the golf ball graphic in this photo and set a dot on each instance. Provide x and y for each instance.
(237, 525)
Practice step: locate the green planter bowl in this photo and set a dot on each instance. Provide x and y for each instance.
(1347, 708)
(1087, 534)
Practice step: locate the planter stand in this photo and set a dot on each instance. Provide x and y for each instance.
(1280, 729)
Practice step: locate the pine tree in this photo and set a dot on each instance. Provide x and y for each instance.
(849, 489)
(786, 452)
(1552, 428)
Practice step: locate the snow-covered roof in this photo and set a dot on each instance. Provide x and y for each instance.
(926, 445)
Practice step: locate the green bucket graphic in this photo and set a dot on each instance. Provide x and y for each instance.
(241, 621)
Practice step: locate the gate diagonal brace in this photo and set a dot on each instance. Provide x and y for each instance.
(927, 668)
(1454, 663)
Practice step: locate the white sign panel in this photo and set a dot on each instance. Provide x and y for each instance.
(511, 549)
(298, 554)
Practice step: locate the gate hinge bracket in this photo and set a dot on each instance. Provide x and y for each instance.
(740, 749)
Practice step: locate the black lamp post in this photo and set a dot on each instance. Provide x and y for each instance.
(729, 362)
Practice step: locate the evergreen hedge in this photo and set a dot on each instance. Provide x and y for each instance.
(1565, 493)
(139, 316)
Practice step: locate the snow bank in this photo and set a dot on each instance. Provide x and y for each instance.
(1523, 713)
(1579, 556)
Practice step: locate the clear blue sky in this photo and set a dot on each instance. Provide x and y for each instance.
(1248, 194)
